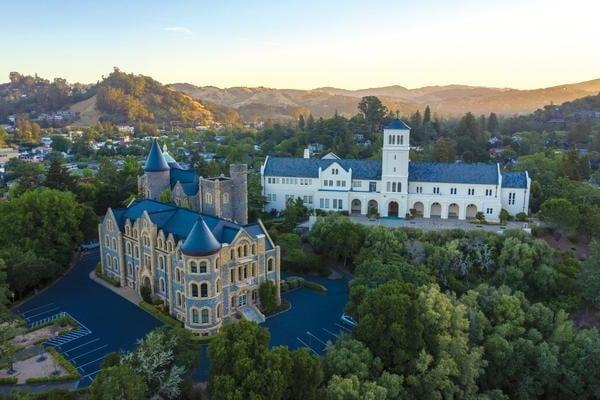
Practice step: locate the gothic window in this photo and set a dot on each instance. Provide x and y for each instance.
(204, 313)
(161, 285)
(195, 318)
(231, 254)
(204, 290)
(114, 244)
(270, 265)
(218, 311)
(203, 267)
(245, 250)
(218, 286)
(194, 289)
(193, 267)
(128, 248)
(232, 275)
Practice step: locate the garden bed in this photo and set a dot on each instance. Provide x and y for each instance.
(49, 366)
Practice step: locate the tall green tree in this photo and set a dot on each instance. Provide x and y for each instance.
(373, 111)
(119, 382)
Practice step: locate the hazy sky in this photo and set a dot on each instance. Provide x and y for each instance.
(306, 44)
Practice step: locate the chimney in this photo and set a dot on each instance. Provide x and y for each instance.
(306, 153)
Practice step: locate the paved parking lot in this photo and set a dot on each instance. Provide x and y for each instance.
(107, 321)
(314, 320)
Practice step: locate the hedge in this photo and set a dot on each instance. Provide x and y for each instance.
(317, 287)
(166, 319)
(106, 278)
(72, 373)
(8, 380)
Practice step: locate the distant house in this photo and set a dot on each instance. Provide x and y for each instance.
(7, 153)
(126, 129)
(315, 147)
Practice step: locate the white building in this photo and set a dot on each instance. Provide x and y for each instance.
(394, 186)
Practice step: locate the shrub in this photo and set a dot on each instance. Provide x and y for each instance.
(161, 316)
(480, 217)
(267, 293)
(109, 279)
(111, 360)
(295, 282)
(146, 294)
(504, 216)
(522, 217)
(284, 286)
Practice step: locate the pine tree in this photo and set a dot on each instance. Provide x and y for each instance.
(301, 123)
(310, 123)
(58, 177)
(492, 123)
(427, 115)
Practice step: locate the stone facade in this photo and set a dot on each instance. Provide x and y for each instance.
(141, 245)
(221, 196)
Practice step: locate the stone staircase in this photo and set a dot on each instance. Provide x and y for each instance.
(252, 313)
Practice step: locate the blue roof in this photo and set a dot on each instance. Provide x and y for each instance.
(517, 180)
(180, 221)
(156, 161)
(396, 123)
(200, 241)
(188, 179)
(479, 173)
(309, 167)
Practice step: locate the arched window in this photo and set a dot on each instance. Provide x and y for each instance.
(226, 198)
(393, 139)
(231, 254)
(193, 267)
(245, 250)
(401, 139)
(204, 290)
(393, 186)
(128, 248)
(239, 251)
(218, 311)
(270, 265)
(178, 275)
(195, 318)
(127, 230)
(169, 246)
(114, 244)
(136, 251)
(179, 299)
(160, 243)
(161, 285)
(115, 264)
(233, 301)
(203, 267)
(217, 262)
(218, 286)
(205, 316)
(108, 261)
(232, 275)
(399, 187)
(129, 269)
(161, 263)
(253, 249)
(194, 288)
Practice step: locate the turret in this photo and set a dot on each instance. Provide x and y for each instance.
(156, 171)
(239, 176)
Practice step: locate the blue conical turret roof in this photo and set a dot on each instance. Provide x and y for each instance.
(397, 123)
(156, 161)
(200, 241)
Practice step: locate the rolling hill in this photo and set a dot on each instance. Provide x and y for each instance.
(449, 100)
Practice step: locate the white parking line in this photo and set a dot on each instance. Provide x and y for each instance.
(331, 333)
(91, 362)
(81, 345)
(89, 352)
(36, 308)
(90, 375)
(44, 312)
(319, 340)
(313, 350)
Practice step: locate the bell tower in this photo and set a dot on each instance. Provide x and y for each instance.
(394, 164)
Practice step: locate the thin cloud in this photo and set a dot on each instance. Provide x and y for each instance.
(179, 29)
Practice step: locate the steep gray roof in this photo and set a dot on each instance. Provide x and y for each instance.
(156, 161)
(200, 241)
(396, 123)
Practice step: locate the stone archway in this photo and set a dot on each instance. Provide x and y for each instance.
(471, 211)
(419, 209)
(436, 210)
(146, 282)
(453, 211)
(356, 206)
(393, 209)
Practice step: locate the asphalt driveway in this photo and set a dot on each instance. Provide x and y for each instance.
(108, 321)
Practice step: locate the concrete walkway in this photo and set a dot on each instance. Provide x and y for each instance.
(125, 292)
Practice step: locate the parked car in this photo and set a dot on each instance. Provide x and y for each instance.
(348, 320)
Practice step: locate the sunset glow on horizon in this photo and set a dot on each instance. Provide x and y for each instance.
(305, 45)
